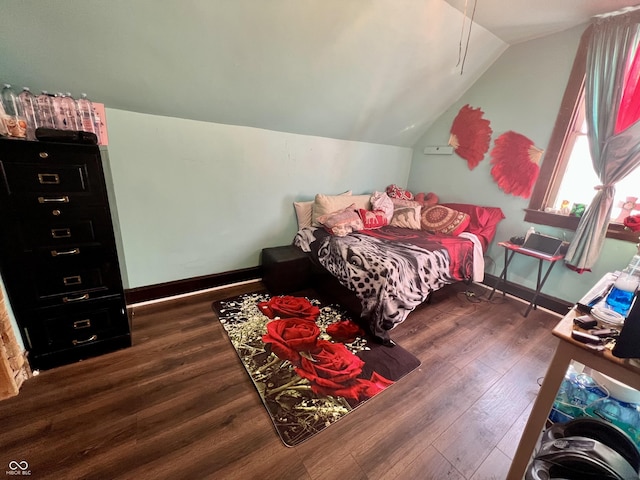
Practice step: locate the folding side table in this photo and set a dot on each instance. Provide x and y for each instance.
(510, 249)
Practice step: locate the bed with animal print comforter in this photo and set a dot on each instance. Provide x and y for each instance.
(392, 270)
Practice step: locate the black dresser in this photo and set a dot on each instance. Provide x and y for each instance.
(58, 257)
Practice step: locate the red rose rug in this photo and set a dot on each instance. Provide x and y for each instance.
(310, 363)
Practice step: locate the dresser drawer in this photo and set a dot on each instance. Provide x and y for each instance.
(60, 328)
(71, 284)
(36, 185)
(62, 280)
(68, 228)
(59, 178)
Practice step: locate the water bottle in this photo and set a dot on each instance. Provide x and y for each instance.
(46, 114)
(69, 112)
(621, 295)
(58, 113)
(14, 117)
(97, 124)
(28, 102)
(85, 113)
(3, 128)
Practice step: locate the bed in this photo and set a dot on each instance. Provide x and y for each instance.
(392, 269)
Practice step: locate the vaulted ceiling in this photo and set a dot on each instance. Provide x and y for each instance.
(375, 71)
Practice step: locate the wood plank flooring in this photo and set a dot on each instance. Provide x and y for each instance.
(179, 405)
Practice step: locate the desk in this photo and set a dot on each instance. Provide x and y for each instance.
(568, 349)
(510, 249)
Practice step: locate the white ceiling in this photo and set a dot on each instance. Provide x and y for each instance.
(377, 71)
(516, 21)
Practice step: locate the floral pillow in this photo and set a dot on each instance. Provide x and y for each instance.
(395, 191)
(441, 219)
(342, 222)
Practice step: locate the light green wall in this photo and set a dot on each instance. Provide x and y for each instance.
(196, 198)
(521, 92)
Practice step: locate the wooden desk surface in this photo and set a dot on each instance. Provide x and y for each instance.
(563, 331)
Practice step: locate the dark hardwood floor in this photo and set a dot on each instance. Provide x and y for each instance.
(179, 405)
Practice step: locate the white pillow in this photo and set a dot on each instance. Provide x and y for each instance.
(406, 215)
(325, 204)
(304, 211)
(381, 201)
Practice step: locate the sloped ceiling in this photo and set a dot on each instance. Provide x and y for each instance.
(374, 71)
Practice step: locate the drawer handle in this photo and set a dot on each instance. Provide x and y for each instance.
(61, 232)
(74, 251)
(49, 179)
(44, 155)
(75, 299)
(90, 339)
(78, 324)
(74, 280)
(63, 199)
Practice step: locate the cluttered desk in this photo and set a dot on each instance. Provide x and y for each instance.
(602, 334)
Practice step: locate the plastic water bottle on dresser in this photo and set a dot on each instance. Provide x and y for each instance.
(14, 118)
(28, 102)
(624, 289)
(3, 128)
(58, 113)
(69, 112)
(46, 114)
(85, 113)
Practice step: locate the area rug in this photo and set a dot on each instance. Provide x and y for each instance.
(310, 363)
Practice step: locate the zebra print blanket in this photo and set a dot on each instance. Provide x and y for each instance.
(391, 270)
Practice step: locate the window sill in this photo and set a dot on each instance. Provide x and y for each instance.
(567, 222)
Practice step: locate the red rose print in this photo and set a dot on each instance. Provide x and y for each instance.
(333, 370)
(632, 222)
(286, 306)
(345, 331)
(376, 384)
(289, 336)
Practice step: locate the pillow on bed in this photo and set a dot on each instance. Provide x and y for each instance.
(342, 222)
(325, 204)
(381, 201)
(395, 191)
(484, 220)
(406, 216)
(427, 199)
(373, 218)
(304, 211)
(441, 219)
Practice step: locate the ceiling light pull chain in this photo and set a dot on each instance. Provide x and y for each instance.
(466, 48)
(464, 18)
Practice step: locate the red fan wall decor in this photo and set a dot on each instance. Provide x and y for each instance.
(470, 135)
(515, 163)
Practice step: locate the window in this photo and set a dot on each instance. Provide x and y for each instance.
(566, 172)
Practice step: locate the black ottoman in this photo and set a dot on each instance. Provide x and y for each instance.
(285, 269)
